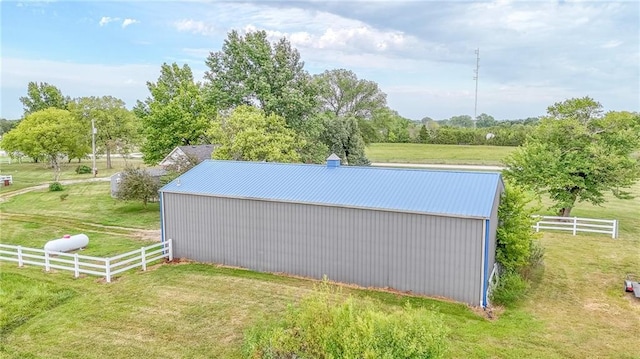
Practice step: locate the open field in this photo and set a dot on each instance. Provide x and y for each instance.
(576, 307)
(427, 153)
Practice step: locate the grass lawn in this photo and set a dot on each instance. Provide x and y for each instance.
(30, 174)
(576, 307)
(427, 153)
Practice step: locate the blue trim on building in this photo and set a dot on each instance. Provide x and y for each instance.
(161, 197)
(485, 285)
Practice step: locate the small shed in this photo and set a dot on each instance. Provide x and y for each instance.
(420, 231)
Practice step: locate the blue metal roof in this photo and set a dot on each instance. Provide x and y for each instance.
(461, 194)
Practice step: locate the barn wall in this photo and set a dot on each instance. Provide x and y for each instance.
(431, 255)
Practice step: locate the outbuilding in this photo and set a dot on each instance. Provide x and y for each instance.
(421, 231)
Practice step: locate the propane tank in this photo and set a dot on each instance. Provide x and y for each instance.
(67, 243)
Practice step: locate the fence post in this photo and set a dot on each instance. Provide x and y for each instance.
(76, 265)
(20, 264)
(170, 243)
(144, 259)
(614, 230)
(575, 225)
(46, 260)
(537, 226)
(107, 269)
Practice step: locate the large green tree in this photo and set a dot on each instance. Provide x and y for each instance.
(249, 70)
(41, 96)
(248, 134)
(48, 134)
(576, 154)
(174, 115)
(343, 137)
(343, 94)
(116, 127)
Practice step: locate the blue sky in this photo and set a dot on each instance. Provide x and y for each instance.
(421, 53)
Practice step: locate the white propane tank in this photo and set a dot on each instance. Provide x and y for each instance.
(67, 243)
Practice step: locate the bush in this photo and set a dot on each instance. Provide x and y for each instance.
(325, 325)
(55, 187)
(137, 184)
(511, 288)
(82, 169)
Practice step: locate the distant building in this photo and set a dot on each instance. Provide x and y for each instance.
(198, 153)
(421, 231)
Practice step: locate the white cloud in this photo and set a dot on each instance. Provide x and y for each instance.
(194, 26)
(127, 22)
(611, 44)
(127, 81)
(106, 19)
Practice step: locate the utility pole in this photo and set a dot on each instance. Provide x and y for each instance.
(93, 145)
(475, 107)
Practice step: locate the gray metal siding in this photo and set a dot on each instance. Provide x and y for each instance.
(432, 255)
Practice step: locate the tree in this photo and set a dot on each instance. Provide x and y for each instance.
(41, 96)
(249, 70)
(248, 134)
(343, 138)
(136, 184)
(572, 158)
(484, 120)
(390, 126)
(7, 125)
(116, 127)
(343, 94)
(423, 136)
(175, 114)
(50, 134)
(461, 121)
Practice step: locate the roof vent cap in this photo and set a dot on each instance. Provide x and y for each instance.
(333, 160)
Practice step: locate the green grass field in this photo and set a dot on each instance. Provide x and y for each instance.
(439, 154)
(576, 307)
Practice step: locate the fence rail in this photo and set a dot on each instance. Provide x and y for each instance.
(576, 224)
(78, 263)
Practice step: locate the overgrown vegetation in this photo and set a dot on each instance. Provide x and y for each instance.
(83, 169)
(326, 325)
(517, 251)
(137, 184)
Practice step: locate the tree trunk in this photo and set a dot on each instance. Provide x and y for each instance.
(108, 157)
(565, 212)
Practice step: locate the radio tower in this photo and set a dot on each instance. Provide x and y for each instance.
(475, 107)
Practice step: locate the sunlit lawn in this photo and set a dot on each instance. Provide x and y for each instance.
(427, 153)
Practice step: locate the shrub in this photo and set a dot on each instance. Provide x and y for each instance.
(55, 187)
(325, 325)
(514, 236)
(511, 288)
(82, 169)
(137, 184)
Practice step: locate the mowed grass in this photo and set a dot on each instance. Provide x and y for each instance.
(576, 307)
(86, 203)
(30, 174)
(438, 154)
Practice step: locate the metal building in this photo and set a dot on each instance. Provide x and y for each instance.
(422, 231)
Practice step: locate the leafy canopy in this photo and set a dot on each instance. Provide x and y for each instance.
(249, 70)
(576, 154)
(117, 128)
(41, 96)
(48, 134)
(174, 115)
(248, 134)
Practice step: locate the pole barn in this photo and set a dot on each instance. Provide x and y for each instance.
(420, 231)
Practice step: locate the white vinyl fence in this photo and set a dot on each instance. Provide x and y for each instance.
(78, 263)
(575, 225)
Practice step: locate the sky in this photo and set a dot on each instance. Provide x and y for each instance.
(421, 53)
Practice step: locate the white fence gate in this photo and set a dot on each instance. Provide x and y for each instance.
(78, 263)
(575, 224)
